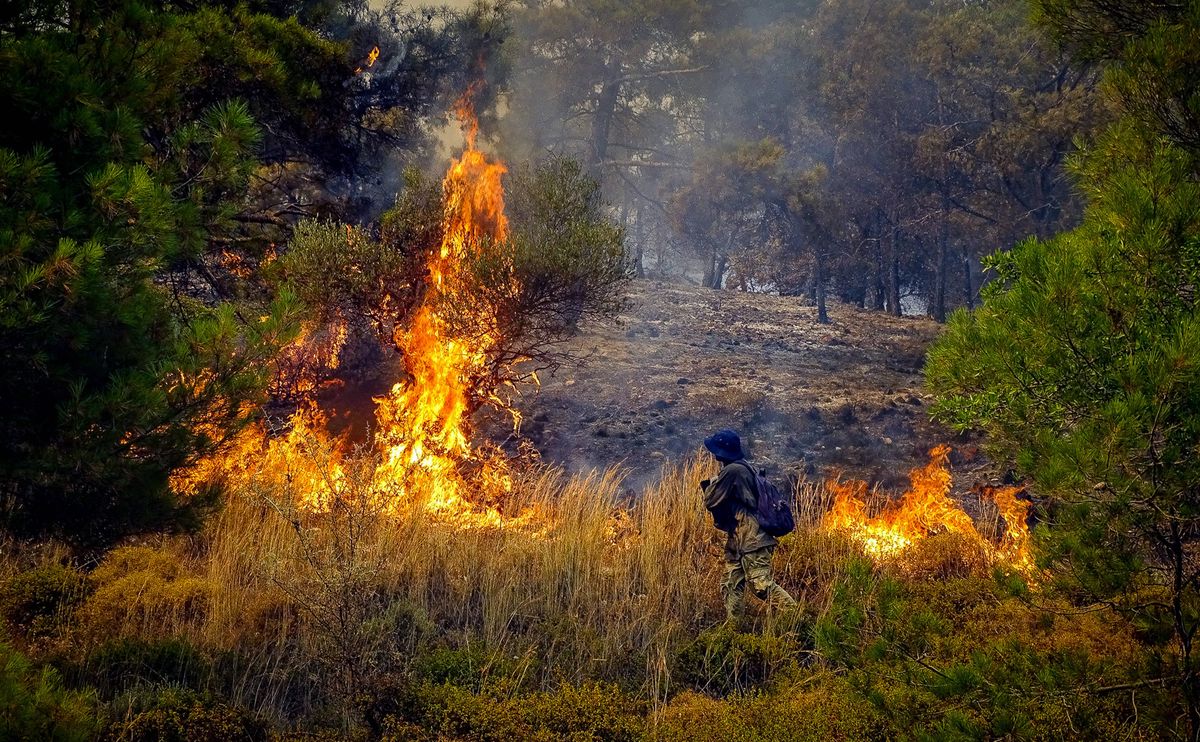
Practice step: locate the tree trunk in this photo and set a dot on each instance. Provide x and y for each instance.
(606, 106)
(1185, 628)
(938, 307)
(719, 267)
(639, 245)
(893, 268)
(819, 279)
(879, 298)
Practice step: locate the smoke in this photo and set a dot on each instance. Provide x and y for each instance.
(677, 114)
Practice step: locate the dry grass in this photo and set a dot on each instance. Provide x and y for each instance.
(309, 618)
(581, 583)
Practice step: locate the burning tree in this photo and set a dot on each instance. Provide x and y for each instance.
(474, 303)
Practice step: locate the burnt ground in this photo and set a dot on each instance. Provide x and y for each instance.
(818, 400)
(685, 361)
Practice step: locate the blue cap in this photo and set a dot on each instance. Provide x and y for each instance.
(725, 444)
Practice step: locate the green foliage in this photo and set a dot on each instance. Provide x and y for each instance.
(115, 174)
(564, 262)
(167, 713)
(34, 704)
(466, 668)
(1082, 365)
(955, 659)
(1082, 362)
(119, 664)
(1150, 49)
(724, 660)
(40, 601)
(339, 271)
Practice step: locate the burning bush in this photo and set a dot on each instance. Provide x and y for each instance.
(927, 509)
(473, 303)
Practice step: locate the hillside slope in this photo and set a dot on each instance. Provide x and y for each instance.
(685, 361)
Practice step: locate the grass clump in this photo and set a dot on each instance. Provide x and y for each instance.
(40, 601)
(170, 714)
(725, 659)
(590, 711)
(823, 708)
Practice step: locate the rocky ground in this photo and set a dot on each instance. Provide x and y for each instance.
(684, 361)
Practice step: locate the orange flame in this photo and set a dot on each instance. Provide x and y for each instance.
(372, 57)
(423, 424)
(926, 509)
(423, 435)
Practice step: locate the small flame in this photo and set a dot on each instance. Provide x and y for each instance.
(926, 509)
(372, 57)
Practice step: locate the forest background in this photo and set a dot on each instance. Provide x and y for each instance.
(193, 191)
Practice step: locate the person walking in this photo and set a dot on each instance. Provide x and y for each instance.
(732, 499)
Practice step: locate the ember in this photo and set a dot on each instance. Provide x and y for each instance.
(372, 57)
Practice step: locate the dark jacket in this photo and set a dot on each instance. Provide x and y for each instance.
(732, 498)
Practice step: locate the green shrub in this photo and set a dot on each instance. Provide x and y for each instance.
(167, 714)
(959, 659)
(723, 660)
(465, 668)
(39, 601)
(34, 705)
(124, 662)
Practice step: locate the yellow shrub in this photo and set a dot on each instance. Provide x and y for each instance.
(145, 591)
(821, 708)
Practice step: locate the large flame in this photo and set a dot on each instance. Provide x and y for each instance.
(423, 437)
(927, 509)
(423, 423)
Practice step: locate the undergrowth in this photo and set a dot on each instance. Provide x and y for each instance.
(586, 616)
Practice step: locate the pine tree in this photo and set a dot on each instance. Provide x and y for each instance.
(117, 164)
(1083, 363)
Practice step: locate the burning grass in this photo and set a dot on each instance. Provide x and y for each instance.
(437, 627)
(926, 509)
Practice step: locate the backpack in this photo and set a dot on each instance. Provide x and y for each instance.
(774, 513)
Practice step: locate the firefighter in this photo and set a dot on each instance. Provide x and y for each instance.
(732, 499)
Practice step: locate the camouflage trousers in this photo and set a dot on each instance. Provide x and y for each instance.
(754, 568)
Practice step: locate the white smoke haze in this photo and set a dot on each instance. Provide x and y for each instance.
(738, 154)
